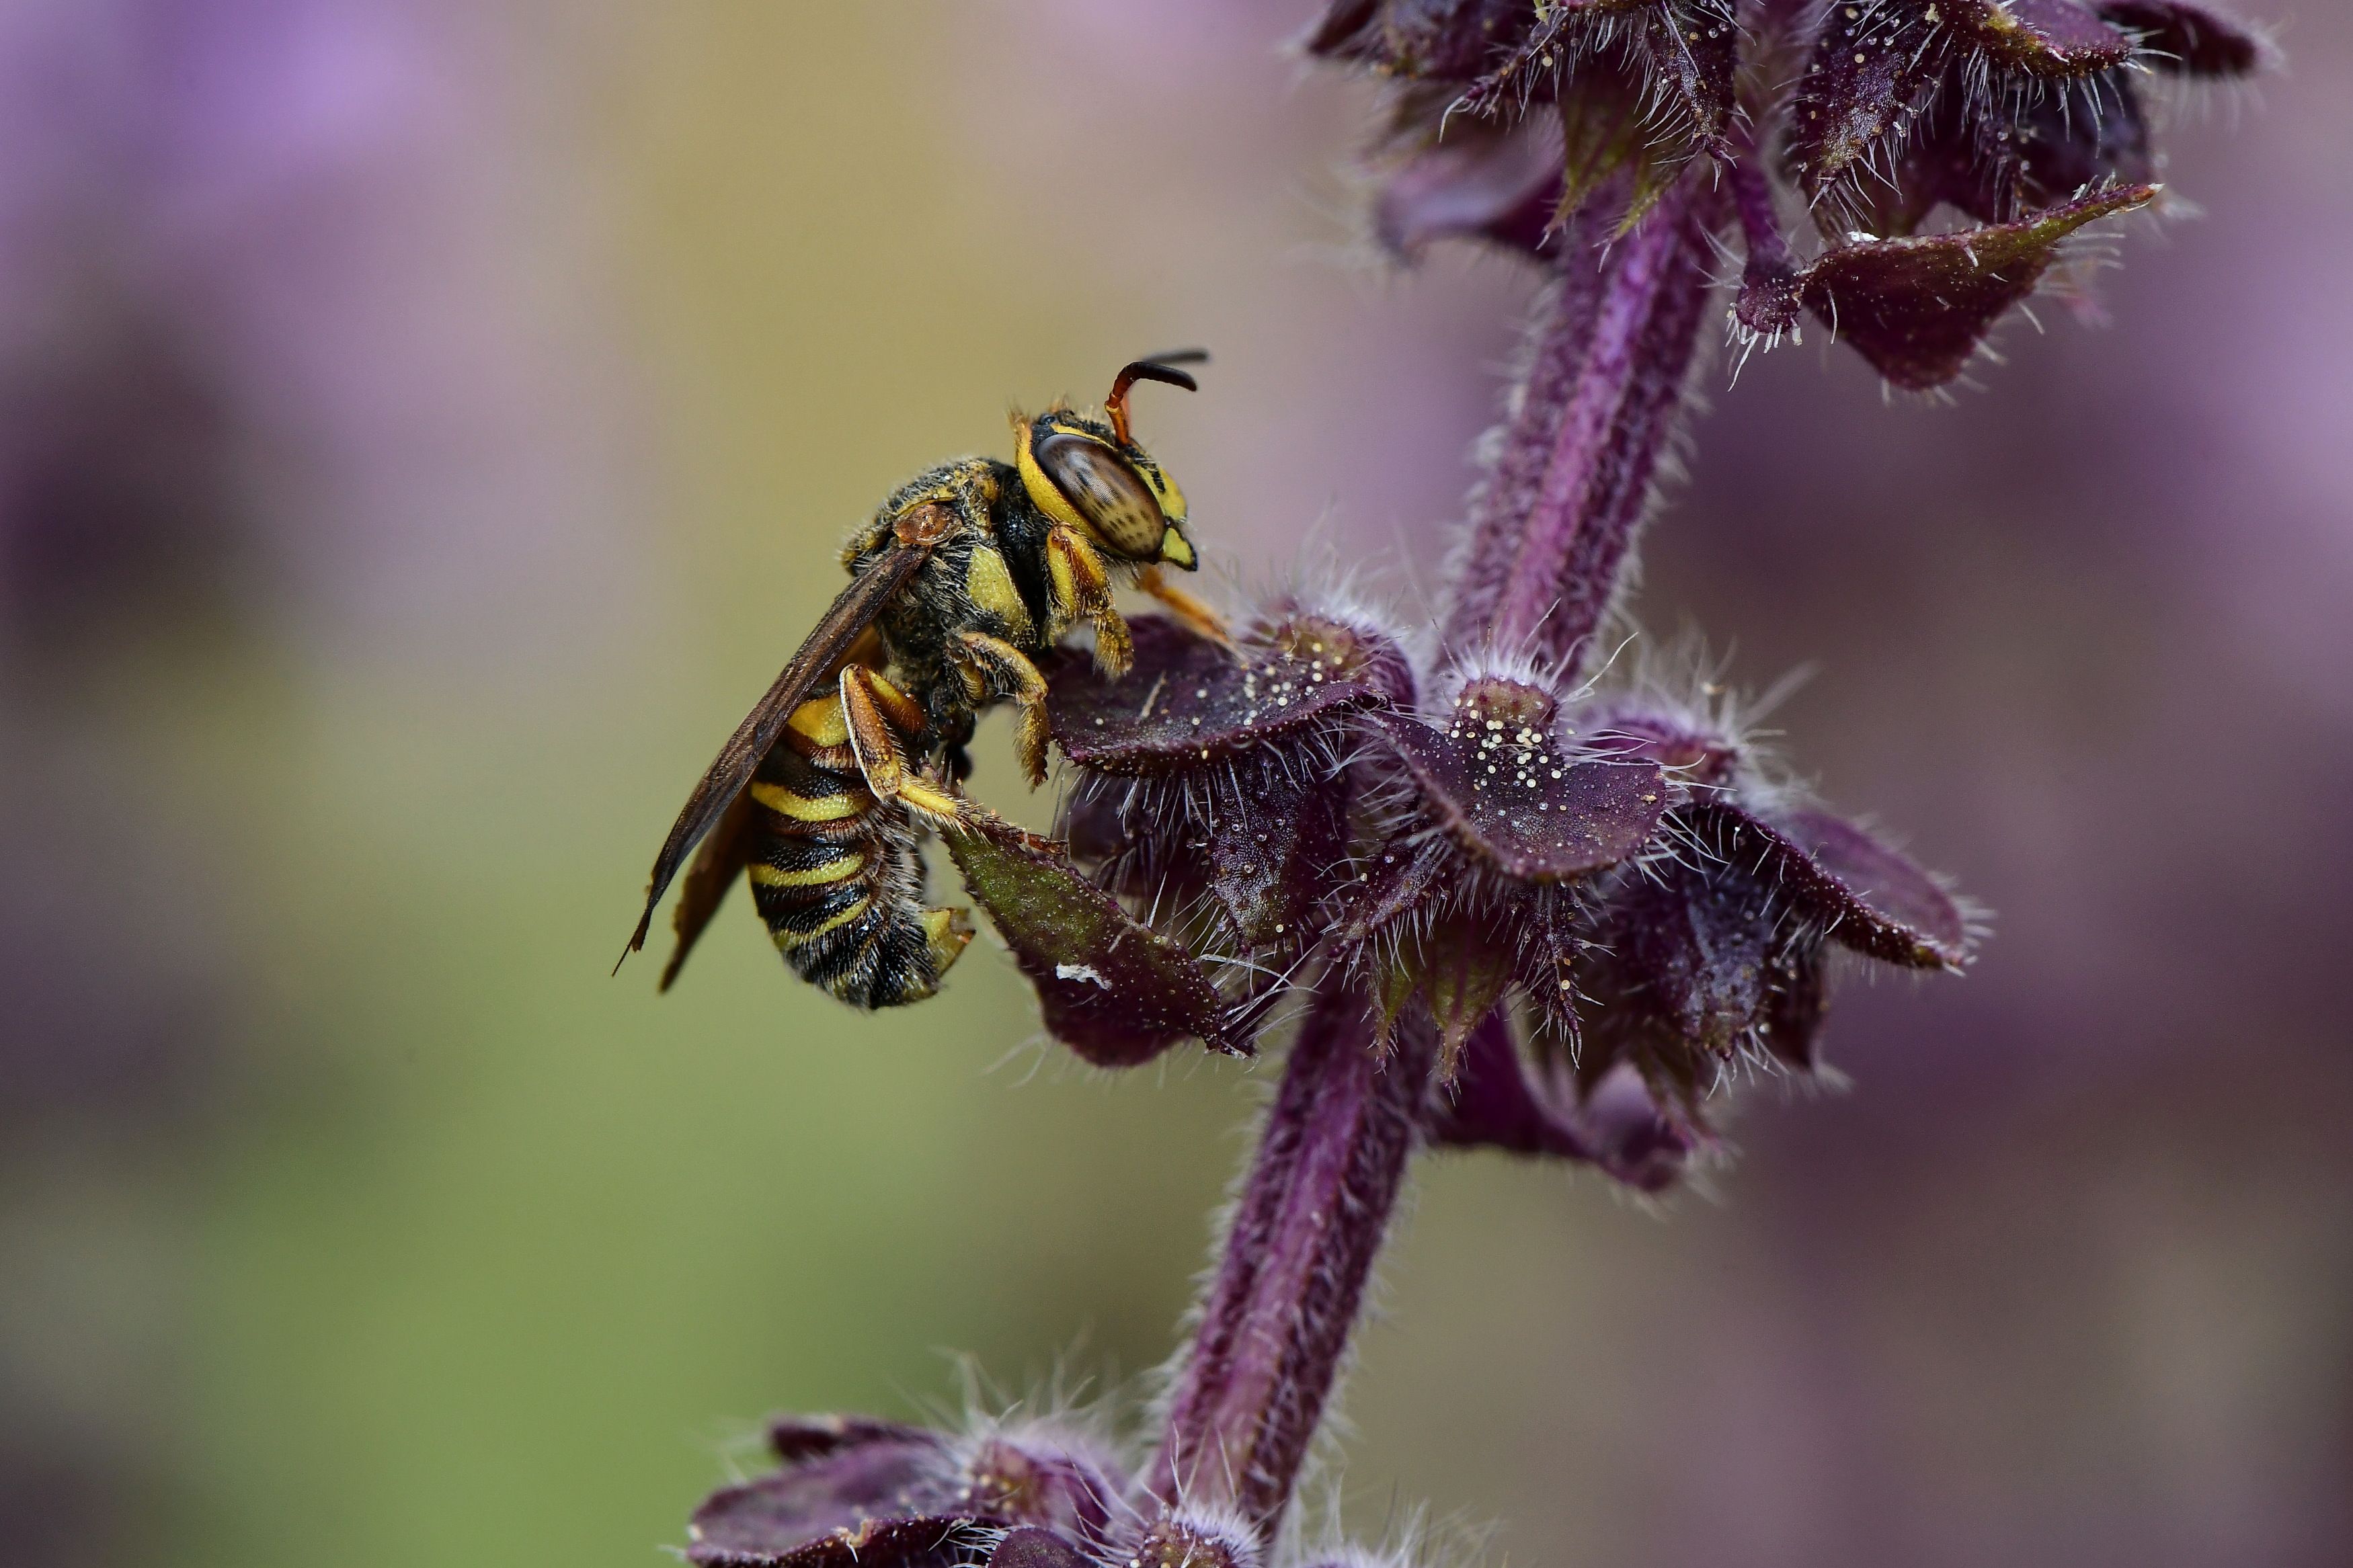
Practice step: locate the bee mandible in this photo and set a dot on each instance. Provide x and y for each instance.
(966, 572)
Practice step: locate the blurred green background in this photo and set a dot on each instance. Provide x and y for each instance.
(430, 425)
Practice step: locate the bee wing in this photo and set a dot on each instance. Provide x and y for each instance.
(852, 614)
(727, 849)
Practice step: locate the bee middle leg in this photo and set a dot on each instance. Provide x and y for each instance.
(877, 713)
(995, 665)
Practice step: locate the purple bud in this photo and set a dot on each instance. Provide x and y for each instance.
(1918, 309)
(1717, 952)
(1031, 1547)
(1044, 1477)
(1500, 1100)
(1196, 1538)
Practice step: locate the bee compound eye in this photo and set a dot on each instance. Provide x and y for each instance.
(1104, 489)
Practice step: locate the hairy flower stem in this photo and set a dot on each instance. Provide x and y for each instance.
(1551, 530)
(1275, 1323)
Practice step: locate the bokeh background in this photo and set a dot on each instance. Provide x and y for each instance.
(425, 426)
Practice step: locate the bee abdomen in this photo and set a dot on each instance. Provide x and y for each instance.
(838, 879)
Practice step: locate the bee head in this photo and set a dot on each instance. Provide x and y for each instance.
(1090, 474)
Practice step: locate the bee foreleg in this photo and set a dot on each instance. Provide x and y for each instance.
(876, 714)
(1007, 670)
(1081, 591)
(1192, 611)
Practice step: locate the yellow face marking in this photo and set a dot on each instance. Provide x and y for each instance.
(801, 808)
(840, 868)
(1172, 499)
(819, 721)
(791, 939)
(990, 585)
(1042, 493)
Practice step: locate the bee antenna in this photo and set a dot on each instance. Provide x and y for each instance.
(1152, 367)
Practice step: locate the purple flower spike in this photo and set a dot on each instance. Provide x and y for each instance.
(1919, 309)
(1114, 991)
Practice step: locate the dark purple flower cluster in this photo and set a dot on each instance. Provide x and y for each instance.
(2022, 120)
(1288, 814)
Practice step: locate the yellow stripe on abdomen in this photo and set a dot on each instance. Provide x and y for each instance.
(786, 939)
(840, 868)
(804, 808)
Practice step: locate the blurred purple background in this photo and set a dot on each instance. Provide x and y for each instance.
(422, 427)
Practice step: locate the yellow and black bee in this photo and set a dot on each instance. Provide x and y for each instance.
(822, 792)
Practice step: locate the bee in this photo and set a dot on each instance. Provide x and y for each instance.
(822, 795)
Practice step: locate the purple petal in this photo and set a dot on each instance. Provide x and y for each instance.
(873, 1498)
(1886, 907)
(1187, 702)
(1115, 992)
(1872, 69)
(2041, 37)
(1694, 56)
(1917, 308)
(1277, 846)
(917, 1542)
(1499, 783)
(1403, 872)
(2189, 39)
(1531, 71)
